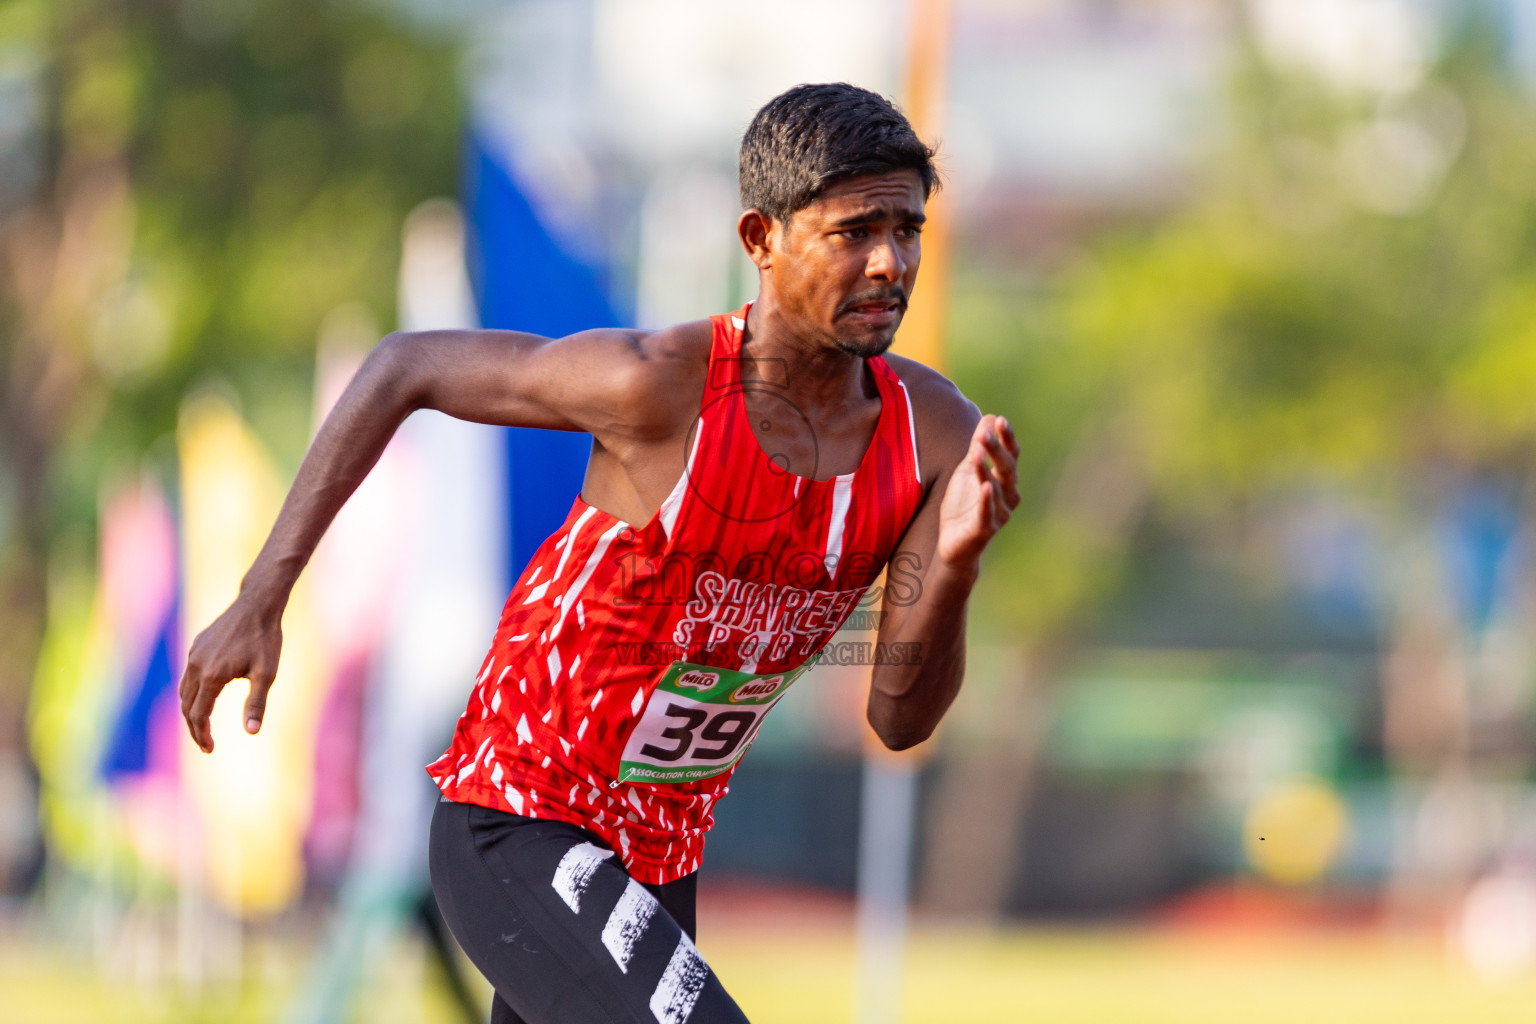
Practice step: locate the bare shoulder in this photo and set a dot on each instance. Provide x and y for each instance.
(659, 375)
(931, 391)
(670, 349)
(681, 348)
(944, 417)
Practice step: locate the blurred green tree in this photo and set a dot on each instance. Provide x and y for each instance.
(1347, 300)
(209, 178)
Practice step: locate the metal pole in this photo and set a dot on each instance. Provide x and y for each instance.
(885, 862)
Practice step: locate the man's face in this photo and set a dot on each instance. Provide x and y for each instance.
(844, 267)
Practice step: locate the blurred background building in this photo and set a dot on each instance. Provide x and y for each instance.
(1255, 281)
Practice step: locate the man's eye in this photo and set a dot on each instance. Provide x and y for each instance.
(856, 233)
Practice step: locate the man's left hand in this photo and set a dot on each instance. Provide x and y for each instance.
(983, 491)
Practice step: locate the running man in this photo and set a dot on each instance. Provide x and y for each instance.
(751, 474)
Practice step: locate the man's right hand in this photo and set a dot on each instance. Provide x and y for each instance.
(243, 643)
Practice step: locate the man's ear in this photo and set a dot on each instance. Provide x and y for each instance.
(755, 228)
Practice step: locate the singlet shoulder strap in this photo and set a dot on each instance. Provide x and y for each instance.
(903, 424)
(725, 350)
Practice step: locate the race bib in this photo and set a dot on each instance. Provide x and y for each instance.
(699, 721)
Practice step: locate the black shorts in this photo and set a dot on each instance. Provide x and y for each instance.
(560, 929)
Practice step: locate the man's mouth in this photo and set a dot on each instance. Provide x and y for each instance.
(877, 310)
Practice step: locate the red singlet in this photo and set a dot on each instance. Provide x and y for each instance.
(632, 666)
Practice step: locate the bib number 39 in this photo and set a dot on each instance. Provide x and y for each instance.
(698, 722)
(724, 729)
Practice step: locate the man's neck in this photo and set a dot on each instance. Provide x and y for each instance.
(814, 372)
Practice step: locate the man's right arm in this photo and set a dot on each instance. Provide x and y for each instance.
(600, 381)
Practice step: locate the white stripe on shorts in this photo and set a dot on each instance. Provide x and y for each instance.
(680, 984)
(575, 872)
(630, 917)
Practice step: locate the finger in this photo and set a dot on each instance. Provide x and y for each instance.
(1006, 472)
(1000, 509)
(256, 701)
(994, 442)
(976, 458)
(187, 688)
(202, 709)
(996, 496)
(1002, 448)
(191, 680)
(980, 461)
(984, 429)
(986, 510)
(1005, 429)
(1003, 469)
(1009, 491)
(1002, 495)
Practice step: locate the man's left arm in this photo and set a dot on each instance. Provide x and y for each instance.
(929, 578)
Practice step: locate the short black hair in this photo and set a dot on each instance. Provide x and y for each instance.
(813, 136)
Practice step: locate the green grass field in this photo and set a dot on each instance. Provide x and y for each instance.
(1127, 977)
(784, 976)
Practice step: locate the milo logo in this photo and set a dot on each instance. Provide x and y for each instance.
(697, 680)
(757, 689)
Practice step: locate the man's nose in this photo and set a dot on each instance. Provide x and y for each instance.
(885, 262)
